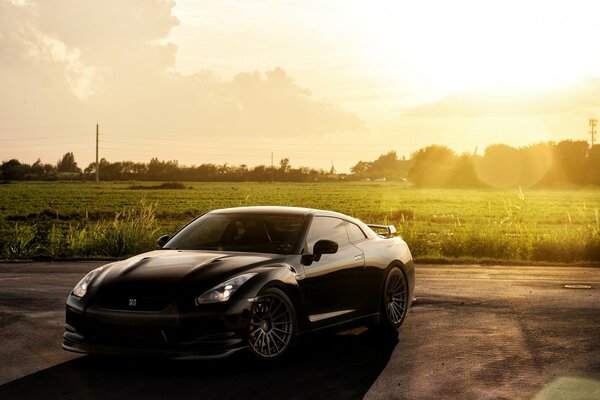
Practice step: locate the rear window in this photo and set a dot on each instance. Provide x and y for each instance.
(354, 232)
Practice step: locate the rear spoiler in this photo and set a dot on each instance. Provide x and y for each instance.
(386, 231)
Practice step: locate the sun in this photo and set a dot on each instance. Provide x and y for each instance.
(483, 47)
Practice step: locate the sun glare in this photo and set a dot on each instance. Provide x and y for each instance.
(483, 47)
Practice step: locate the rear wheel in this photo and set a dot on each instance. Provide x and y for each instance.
(272, 325)
(394, 302)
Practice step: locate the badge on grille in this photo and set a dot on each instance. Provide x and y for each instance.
(132, 302)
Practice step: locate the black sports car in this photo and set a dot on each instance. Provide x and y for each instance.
(248, 277)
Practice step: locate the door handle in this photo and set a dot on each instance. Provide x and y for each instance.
(359, 257)
(298, 275)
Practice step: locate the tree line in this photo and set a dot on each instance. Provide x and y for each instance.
(547, 164)
(160, 170)
(563, 164)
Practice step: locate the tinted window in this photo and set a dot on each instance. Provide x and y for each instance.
(354, 232)
(326, 228)
(240, 232)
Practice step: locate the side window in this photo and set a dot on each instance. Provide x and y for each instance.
(326, 228)
(354, 232)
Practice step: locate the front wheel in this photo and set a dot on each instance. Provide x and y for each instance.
(394, 302)
(272, 325)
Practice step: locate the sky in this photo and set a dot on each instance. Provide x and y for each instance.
(318, 82)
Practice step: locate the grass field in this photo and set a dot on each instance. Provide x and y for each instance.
(77, 219)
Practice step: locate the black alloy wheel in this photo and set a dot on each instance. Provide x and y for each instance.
(272, 325)
(395, 299)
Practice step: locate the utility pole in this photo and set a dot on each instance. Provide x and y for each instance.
(593, 123)
(97, 164)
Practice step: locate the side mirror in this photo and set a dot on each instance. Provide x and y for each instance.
(163, 240)
(324, 246)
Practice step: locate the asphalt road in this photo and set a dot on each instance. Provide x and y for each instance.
(473, 333)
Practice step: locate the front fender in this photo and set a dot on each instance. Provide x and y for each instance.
(283, 276)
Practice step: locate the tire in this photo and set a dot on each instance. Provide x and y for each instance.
(394, 300)
(272, 326)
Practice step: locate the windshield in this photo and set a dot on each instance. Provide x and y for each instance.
(254, 233)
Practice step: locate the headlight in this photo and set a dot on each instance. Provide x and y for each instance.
(223, 292)
(81, 288)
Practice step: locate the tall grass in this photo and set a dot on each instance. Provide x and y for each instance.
(436, 224)
(21, 242)
(131, 231)
(506, 238)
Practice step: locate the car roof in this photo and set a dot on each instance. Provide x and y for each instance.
(276, 210)
(292, 211)
(282, 210)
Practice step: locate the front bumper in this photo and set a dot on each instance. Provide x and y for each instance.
(213, 331)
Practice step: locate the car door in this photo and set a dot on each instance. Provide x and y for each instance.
(332, 283)
(371, 278)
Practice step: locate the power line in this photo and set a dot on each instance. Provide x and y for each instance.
(254, 154)
(37, 145)
(115, 143)
(45, 138)
(205, 129)
(14, 128)
(186, 142)
(245, 149)
(202, 142)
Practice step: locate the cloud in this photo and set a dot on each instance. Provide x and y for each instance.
(75, 60)
(277, 100)
(114, 34)
(576, 98)
(39, 75)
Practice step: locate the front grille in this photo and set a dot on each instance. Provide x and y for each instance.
(133, 303)
(159, 338)
(129, 336)
(121, 330)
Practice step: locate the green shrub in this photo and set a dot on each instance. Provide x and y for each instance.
(55, 246)
(132, 231)
(21, 242)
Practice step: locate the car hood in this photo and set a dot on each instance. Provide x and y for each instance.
(166, 271)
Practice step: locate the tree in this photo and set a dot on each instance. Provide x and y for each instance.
(67, 164)
(568, 164)
(433, 166)
(284, 165)
(39, 170)
(13, 170)
(162, 170)
(570, 158)
(536, 160)
(283, 170)
(386, 166)
(500, 166)
(386, 161)
(361, 168)
(463, 174)
(593, 166)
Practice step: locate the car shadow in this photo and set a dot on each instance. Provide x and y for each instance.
(342, 365)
